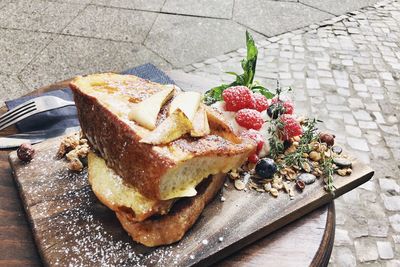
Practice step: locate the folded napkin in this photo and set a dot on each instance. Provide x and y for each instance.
(67, 116)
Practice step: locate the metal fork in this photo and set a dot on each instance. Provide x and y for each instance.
(32, 107)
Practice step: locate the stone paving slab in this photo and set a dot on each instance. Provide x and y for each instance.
(111, 23)
(150, 5)
(38, 15)
(346, 72)
(272, 18)
(206, 8)
(339, 7)
(69, 56)
(18, 48)
(12, 87)
(177, 38)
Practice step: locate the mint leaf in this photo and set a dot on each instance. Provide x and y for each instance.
(246, 79)
(262, 90)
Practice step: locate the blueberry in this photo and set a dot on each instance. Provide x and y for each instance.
(266, 168)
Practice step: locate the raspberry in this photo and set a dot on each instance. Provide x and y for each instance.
(253, 158)
(274, 110)
(249, 119)
(260, 102)
(257, 137)
(291, 127)
(237, 98)
(289, 108)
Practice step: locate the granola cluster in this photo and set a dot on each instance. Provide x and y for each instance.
(75, 149)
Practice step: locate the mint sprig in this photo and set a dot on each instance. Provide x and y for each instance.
(246, 79)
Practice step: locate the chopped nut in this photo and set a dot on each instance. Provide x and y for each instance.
(233, 175)
(267, 187)
(291, 149)
(25, 152)
(305, 155)
(306, 167)
(239, 185)
(342, 172)
(296, 144)
(278, 186)
(296, 138)
(69, 143)
(291, 192)
(315, 156)
(75, 165)
(274, 192)
(286, 187)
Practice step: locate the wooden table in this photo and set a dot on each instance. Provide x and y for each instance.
(305, 242)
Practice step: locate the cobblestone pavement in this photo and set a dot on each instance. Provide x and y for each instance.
(347, 72)
(44, 41)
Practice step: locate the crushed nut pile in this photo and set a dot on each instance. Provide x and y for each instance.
(293, 177)
(75, 149)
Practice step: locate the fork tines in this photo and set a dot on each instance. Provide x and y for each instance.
(17, 112)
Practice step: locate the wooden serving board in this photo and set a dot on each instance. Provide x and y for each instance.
(72, 228)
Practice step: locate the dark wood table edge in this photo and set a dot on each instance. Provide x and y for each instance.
(324, 251)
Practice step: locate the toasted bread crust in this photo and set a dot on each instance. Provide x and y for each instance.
(139, 164)
(170, 228)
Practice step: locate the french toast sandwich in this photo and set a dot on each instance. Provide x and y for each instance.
(161, 152)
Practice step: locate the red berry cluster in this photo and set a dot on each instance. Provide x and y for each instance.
(247, 104)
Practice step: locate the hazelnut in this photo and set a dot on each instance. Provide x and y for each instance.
(25, 152)
(328, 139)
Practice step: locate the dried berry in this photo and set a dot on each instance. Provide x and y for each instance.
(300, 184)
(25, 152)
(328, 139)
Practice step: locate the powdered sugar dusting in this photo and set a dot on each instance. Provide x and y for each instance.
(71, 227)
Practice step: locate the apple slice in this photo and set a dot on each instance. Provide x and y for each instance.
(188, 102)
(219, 126)
(200, 123)
(173, 127)
(145, 113)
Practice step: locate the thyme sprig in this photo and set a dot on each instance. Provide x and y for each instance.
(327, 167)
(275, 143)
(309, 135)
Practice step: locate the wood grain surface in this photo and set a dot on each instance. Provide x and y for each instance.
(71, 227)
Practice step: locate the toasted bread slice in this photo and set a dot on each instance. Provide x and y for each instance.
(170, 228)
(111, 190)
(158, 172)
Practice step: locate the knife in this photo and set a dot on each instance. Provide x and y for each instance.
(34, 137)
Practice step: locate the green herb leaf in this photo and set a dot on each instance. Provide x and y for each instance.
(215, 94)
(245, 79)
(262, 90)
